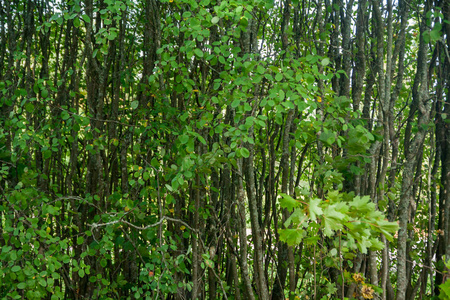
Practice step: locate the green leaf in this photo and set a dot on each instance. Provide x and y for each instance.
(134, 104)
(155, 163)
(331, 288)
(291, 236)
(333, 211)
(435, 34)
(260, 69)
(296, 218)
(243, 22)
(288, 202)
(202, 140)
(42, 281)
(387, 228)
(376, 245)
(184, 139)
(169, 187)
(86, 18)
(282, 95)
(22, 285)
(361, 204)
(103, 262)
(325, 62)
(112, 35)
(279, 77)
(426, 37)
(244, 152)
(333, 220)
(235, 103)
(190, 146)
(16, 269)
(76, 22)
(312, 240)
(198, 52)
(445, 290)
(314, 208)
(215, 20)
(363, 244)
(29, 107)
(327, 137)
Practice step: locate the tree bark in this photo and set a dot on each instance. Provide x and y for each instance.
(420, 104)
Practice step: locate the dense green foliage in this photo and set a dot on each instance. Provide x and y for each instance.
(184, 149)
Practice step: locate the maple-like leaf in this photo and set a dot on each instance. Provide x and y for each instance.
(314, 209)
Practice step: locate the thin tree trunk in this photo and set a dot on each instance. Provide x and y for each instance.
(412, 148)
(242, 221)
(258, 267)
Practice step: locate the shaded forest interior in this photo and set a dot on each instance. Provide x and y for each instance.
(208, 149)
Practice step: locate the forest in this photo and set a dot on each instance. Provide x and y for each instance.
(225, 149)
